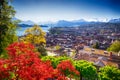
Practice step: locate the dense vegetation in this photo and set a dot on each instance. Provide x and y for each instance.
(36, 36)
(7, 26)
(109, 73)
(24, 63)
(115, 47)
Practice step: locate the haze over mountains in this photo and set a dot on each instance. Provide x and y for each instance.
(65, 23)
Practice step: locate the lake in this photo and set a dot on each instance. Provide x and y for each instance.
(21, 30)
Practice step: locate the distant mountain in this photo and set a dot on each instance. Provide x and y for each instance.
(27, 22)
(26, 25)
(64, 23)
(74, 23)
(115, 20)
(81, 20)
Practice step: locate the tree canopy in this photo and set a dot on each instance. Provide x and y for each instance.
(115, 47)
(35, 35)
(86, 69)
(7, 26)
(23, 63)
(109, 73)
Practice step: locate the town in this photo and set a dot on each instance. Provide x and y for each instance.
(85, 42)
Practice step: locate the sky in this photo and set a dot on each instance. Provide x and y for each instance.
(54, 10)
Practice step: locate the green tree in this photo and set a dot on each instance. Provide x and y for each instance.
(115, 46)
(36, 36)
(57, 47)
(96, 45)
(7, 26)
(42, 50)
(109, 73)
(86, 69)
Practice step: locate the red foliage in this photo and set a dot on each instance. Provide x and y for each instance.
(16, 49)
(66, 68)
(24, 63)
(3, 70)
(64, 65)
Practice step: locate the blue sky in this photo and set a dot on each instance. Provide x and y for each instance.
(54, 10)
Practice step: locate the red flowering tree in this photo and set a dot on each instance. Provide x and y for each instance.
(24, 64)
(3, 70)
(66, 68)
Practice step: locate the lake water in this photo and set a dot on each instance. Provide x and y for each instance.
(21, 30)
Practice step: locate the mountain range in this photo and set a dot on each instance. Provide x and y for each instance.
(65, 23)
(115, 20)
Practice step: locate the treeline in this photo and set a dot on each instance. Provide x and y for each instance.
(87, 70)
